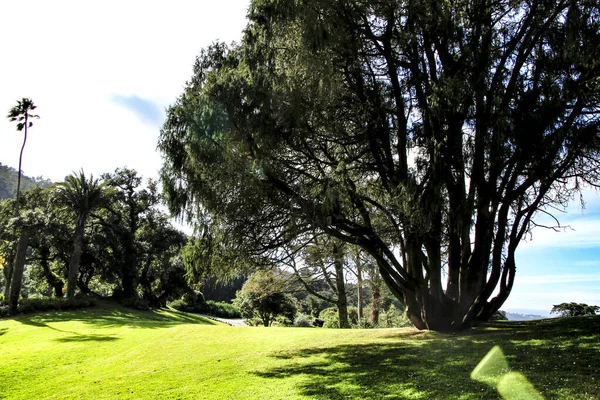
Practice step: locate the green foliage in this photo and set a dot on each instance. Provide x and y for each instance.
(393, 318)
(406, 127)
(8, 182)
(179, 304)
(32, 305)
(221, 309)
(331, 318)
(574, 309)
(303, 321)
(263, 296)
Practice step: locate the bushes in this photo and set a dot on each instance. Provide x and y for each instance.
(303, 321)
(195, 303)
(49, 304)
(220, 309)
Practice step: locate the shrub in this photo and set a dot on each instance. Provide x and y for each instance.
(220, 309)
(331, 320)
(178, 304)
(393, 318)
(303, 321)
(1, 298)
(48, 304)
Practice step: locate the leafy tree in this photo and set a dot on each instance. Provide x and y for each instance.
(574, 309)
(263, 296)
(82, 195)
(430, 134)
(324, 261)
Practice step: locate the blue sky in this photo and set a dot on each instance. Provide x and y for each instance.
(102, 73)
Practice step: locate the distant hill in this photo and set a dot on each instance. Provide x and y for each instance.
(522, 317)
(8, 182)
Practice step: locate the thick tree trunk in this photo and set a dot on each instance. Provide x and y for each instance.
(342, 302)
(75, 258)
(18, 269)
(56, 283)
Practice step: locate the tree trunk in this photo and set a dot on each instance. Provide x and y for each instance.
(342, 302)
(359, 285)
(375, 299)
(75, 258)
(56, 283)
(18, 269)
(8, 271)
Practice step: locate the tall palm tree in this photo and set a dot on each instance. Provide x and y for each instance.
(82, 195)
(21, 113)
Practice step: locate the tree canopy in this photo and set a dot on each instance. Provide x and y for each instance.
(430, 134)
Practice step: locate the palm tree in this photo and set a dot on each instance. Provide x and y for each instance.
(82, 195)
(21, 114)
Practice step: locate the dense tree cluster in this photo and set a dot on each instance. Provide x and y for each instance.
(429, 134)
(106, 236)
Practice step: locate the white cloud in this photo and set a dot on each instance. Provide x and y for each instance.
(73, 57)
(579, 230)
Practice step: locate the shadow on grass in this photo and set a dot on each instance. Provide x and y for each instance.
(87, 338)
(3, 331)
(560, 358)
(116, 317)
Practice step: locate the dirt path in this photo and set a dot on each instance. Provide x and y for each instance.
(230, 322)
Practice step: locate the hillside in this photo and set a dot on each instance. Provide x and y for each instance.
(8, 182)
(104, 353)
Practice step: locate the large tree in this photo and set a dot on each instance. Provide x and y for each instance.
(429, 133)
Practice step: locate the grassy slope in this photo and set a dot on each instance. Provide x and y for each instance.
(119, 353)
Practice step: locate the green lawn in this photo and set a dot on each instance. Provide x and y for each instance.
(124, 354)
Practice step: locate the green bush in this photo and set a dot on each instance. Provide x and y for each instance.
(179, 304)
(331, 320)
(1, 298)
(48, 304)
(393, 318)
(303, 321)
(220, 309)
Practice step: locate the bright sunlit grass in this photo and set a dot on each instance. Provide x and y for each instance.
(126, 354)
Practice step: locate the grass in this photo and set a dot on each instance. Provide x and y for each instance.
(108, 353)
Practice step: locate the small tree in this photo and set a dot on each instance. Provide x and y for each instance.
(263, 296)
(574, 309)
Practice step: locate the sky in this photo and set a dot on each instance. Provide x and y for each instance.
(103, 72)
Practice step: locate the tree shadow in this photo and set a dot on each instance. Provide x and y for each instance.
(87, 338)
(398, 370)
(3, 331)
(116, 317)
(559, 358)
